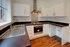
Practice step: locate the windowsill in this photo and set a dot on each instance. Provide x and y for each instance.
(3, 23)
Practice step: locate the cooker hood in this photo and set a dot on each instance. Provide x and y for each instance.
(35, 11)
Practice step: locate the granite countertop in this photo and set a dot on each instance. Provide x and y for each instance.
(15, 29)
(60, 24)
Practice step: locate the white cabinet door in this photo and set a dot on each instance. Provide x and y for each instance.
(46, 29)
(65, 35)
(52, 31)
(30, 30)
(59, 10)
(21, 9)
(18, 9)
(59, 31)
(44, 12)
(51, 11)
(27, 10)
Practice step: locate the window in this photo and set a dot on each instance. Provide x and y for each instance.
(3, 8)
(5, 12)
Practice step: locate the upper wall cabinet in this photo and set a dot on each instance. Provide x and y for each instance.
(21, 9)
(54, 11)
(51, 11)
(60, 9)
(44, 12)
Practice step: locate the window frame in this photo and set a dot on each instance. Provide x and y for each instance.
(2, 9)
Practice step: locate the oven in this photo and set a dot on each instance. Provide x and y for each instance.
(38, 29)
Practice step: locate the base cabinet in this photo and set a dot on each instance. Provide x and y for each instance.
(46, 29)
(30, 30)
(32, 35)
(60, 32)
(64, 35)
(51, 30)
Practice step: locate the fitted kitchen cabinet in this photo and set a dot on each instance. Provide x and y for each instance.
(46, 29)
(62, 33)
(30, 30)
(57, 10)
(65, 35)
(32, 35)
(44, 11)
(21, 9)
(52, 30)
(59, 31)
(51, 11)
(60, 9)
(27, 10)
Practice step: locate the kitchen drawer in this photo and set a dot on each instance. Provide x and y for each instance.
(31, 37)
(29, 27)
(59, 31)
(58, 28)
(30, 33)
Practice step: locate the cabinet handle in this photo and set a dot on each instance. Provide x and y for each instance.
(53, 14)
(47, 14)
(24, 11)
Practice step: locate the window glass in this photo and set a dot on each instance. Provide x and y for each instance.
(4, 3)
(0, 2)
(2, 8)
(0, 12)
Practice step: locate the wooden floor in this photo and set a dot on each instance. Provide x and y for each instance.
(47, 41)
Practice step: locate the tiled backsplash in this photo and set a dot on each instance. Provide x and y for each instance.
(58, 19)
(22, 19)
(25, 19)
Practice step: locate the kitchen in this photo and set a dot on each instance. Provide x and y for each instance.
(49, 16)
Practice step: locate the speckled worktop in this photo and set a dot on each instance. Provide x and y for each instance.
(60, 24)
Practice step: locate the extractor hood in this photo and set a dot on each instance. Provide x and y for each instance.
(35, 11)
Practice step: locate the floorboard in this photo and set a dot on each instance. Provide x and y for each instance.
(47, 41)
